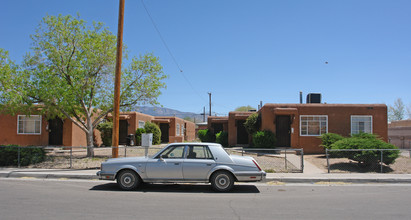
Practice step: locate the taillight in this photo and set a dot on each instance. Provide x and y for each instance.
(256, 164)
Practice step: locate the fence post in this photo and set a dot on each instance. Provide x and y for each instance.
(242, 151)
(328, 162)
(302, 161)
(71, 157)
(18, 156)
(285, 159)
(125, 150)
(381, 162)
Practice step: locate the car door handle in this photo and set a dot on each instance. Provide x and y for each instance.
(176, 163)
(209, 164)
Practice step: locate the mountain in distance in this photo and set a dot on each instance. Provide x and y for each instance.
(160, 111)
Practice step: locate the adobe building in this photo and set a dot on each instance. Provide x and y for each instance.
(301, 125)
(174, 129)
(217, 123)
(128, 124)
(399, 133)
(36, 130)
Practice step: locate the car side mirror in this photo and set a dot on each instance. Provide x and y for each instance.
(161, 158)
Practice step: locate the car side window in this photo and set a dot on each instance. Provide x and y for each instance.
(173, 152)
(199, 152)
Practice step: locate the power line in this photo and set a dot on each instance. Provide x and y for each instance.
(168, 49)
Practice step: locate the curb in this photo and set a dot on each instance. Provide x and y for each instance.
(313, 180)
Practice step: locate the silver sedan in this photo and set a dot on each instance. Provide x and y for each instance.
(183, 162)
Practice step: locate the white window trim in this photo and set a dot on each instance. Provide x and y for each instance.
(18, 124)
(308, 135)
(372, 119)
(178, 129)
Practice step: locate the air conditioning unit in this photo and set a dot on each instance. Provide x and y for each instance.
(314, 98)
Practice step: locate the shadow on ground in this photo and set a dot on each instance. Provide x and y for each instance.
(180, 188)
(357, 168)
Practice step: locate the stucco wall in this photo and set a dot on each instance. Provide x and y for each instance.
(8, 133)
(339, 121)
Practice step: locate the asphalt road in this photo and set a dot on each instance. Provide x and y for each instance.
(68, 199)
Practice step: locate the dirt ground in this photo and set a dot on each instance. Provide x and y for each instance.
(60, 159)
(402, 165)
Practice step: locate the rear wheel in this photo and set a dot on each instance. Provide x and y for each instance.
(128, 180)
(222, 181)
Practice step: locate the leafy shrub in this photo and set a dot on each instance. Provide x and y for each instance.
(329, 138)
(251, 123)
(139, 131)
(9, 156)
(222, 138)
(366, 157)
(153, 128)
(364, 135)
(106, 129)
(206, 135)
(264, 139)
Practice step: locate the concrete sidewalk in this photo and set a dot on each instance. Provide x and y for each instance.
(319, 178)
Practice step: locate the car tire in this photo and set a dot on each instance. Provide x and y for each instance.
(222, 181)
(128, 180)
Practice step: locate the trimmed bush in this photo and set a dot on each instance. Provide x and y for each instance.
(251, 124)
(330, 138)
(366, 158)
(153, 128)
(106, 129)
(206, 135)
(264, 139)
(9, 156)
(139, 131)
(222, 138)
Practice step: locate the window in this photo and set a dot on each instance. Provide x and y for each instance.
(182, 130)
(141, 124)
(173, 152)
(29, 124)
(361, 123)
(313, 125)
(199, 152)
(178, 130)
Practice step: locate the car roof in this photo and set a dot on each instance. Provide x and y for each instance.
(194, 143)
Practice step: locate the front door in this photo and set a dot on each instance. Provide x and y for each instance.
(56, 132)
(242, 134)
(283, 130)
(122, 132)
(164, 127)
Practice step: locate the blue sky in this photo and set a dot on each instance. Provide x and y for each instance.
(244, 52)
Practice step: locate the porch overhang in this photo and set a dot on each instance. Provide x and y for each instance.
(161, 120)
(285, 111)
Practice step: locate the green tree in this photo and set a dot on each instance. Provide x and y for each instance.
(251, 124)
(150, 127)
(70, 73)
(396, 112)
(244, 108)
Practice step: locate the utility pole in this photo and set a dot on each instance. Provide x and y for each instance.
(204, 114)
(116, 111)
(209, 95)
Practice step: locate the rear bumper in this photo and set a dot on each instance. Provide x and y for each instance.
(105, 176)
(251, 176)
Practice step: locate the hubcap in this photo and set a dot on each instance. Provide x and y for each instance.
(222, 181)
(128, 180)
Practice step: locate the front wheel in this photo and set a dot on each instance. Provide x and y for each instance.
(128, 180)
(222, 181)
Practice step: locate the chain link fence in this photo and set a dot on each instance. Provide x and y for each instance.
(396, 161)
(277, 160)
